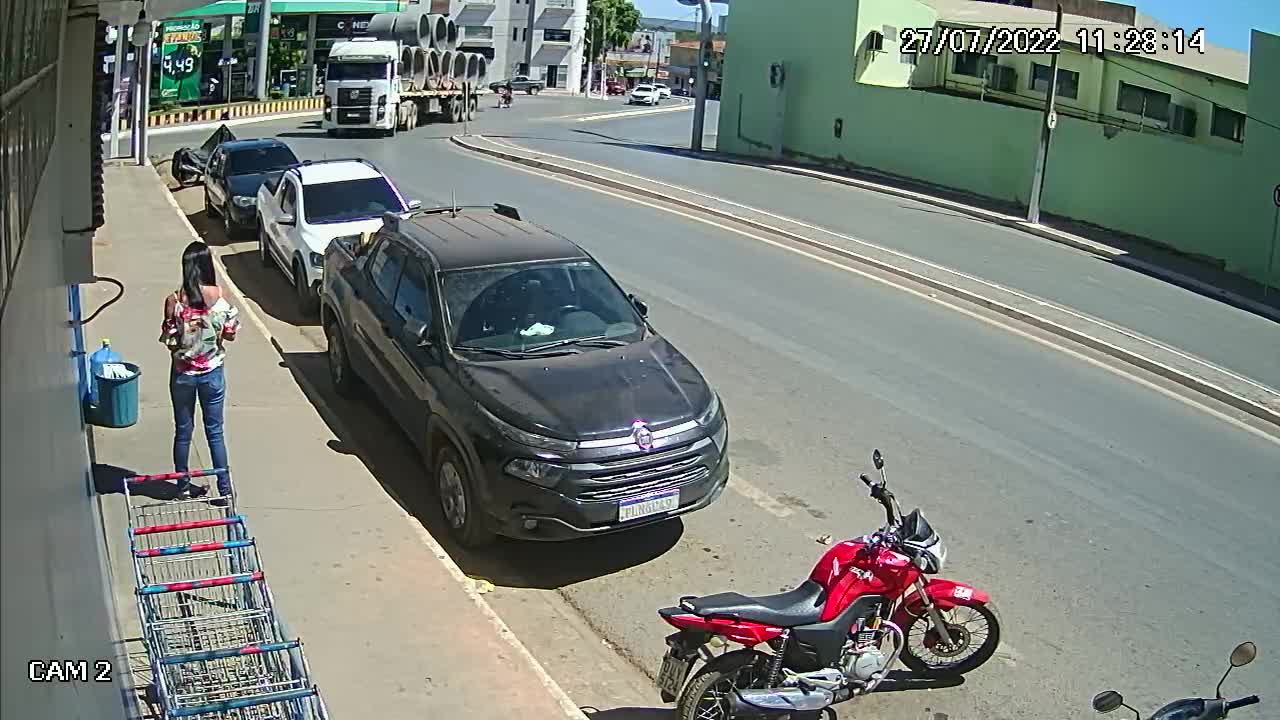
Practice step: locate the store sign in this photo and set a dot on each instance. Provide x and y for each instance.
(252, 17)
(338, 27)
(180, 47)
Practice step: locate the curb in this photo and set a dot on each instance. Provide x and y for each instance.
(571, 710)
(1199, 385)
(1042, 231)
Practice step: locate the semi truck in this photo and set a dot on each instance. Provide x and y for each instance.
(367, 88)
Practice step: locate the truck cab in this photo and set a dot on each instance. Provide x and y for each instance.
(362, 86)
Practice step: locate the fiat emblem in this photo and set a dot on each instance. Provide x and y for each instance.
(643, 437)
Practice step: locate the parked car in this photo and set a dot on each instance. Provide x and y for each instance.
(303, 209)
(613, 86)
(520, 83)
(664, 92)
(235, 172)
(644, 95)
(543, 402)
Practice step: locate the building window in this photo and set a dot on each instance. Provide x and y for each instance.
(524, 33)
(973, 64)
(1227, 123)
(550, 35)
(1068, 81)
(477, 32)
(909, 58)
(515, 34)
(1142, 101)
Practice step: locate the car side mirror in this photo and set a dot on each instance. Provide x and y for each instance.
(877, 459)
(420, 332)
(286, 219)
(414, 204)
(641, 306)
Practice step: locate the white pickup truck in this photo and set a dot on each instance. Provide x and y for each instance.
(302, 209)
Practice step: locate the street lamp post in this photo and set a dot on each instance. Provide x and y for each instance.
(704, 57)
(141, 39)
(1046, 134)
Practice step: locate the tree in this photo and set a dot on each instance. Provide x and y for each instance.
(610, 24)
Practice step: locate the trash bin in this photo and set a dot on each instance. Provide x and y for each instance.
(117, 392)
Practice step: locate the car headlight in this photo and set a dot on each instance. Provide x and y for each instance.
(538, 472)
(708, 416)
(515, 434)
(317, 260)
(244, 201)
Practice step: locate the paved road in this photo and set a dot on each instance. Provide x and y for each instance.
(1230, 338)
(1125, 535)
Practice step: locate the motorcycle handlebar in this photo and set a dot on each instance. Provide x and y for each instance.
(863, 477)
(1242, 702)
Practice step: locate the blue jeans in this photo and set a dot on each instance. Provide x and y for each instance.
(211, 389)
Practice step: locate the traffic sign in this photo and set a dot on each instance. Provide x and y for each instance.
(1052, 120)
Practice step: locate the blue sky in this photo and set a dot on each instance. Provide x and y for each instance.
(1227, 22)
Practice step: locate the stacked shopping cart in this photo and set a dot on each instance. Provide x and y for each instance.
(215, 646)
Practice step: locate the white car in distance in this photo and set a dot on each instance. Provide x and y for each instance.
(664, 92)
(644, 95)
(302, 209)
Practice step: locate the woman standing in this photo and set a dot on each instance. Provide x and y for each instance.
(198, 322)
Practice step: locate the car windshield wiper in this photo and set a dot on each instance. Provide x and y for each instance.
(596, 341)
(501, 352)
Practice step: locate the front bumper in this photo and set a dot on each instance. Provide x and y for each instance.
(357, 118)
(584, 506)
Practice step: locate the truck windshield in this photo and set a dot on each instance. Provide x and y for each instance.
(260, 160)
(356, 71)
(518, 307)
(348, 200)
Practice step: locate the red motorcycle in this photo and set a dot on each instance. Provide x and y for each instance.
(866, 604)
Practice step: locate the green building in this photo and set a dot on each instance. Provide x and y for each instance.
(1158, 134)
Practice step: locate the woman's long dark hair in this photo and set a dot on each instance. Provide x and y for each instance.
(197, 271)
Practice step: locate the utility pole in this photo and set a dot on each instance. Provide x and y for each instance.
(1048, 123)
(649, 62)
(704, 57)
(117, 83)
(528, 40)
(264, 38)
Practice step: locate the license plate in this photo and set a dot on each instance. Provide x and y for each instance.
(648, 505)
(672, 675)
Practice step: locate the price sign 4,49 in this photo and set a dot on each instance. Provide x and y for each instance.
(180, 63)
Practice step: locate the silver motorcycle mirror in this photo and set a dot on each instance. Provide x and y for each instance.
(1109, 701)
(1244, 654)
(877, 459)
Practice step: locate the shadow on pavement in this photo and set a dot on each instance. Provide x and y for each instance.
(396, 463)
(629, 713)
(268, 286)
(109, 480)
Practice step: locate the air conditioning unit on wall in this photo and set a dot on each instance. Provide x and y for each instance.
(1003, 78)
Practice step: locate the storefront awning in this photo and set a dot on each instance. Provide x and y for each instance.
(278, 7)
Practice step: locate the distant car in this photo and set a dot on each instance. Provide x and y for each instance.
(544, 404)
(235, 172)
(302, 210)
(520, 83)
(664, 92)
(615, 87)
(644, 95)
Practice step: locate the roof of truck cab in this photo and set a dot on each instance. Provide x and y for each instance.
(480, 238)
(327, 172)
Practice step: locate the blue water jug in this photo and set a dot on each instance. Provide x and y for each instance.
(100, 357)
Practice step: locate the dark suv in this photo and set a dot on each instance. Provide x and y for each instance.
(545, 403)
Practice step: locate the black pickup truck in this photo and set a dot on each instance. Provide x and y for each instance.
(545, 405)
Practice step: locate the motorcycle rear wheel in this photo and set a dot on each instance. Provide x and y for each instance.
(706, 696)
(938, 666)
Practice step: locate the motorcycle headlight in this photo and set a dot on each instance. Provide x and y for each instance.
(317, 260)
(523, 437)
(931, 559)
(244, 201)
(538, 472)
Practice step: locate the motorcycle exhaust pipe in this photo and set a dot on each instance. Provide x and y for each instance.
(779, 701)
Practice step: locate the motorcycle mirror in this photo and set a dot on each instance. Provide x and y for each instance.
(1107, 701)
(1244, 654)
(877, 459)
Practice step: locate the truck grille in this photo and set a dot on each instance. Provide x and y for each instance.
(353, 117)
(621, 492)
(644, 474)
(355, 97)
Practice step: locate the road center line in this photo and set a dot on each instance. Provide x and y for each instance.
(1189, 402)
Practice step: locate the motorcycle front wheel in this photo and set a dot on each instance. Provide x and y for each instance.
(975, 630)
(707, 695)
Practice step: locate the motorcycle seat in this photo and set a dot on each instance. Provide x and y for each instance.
(802, 606)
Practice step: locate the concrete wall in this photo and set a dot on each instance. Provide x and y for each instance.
(55, 578)
(888, 17)
(1185, 194)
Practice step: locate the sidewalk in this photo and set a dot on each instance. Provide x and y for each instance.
(391, 626)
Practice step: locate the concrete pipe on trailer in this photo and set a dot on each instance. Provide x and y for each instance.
(383, 26)
(439, 33)
(482, 74)
(459, 71)
(408, 68)
(473, 68)
(420, 65)
(413, 28)
(446, 70)
(451, 34)
(431, 76)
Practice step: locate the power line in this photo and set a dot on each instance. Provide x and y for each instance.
(1194, 95)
